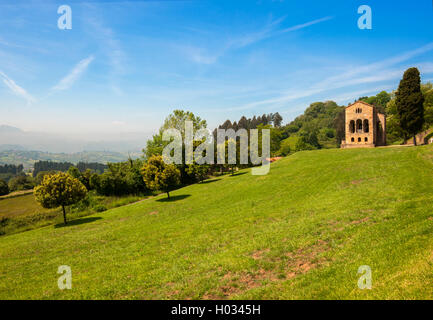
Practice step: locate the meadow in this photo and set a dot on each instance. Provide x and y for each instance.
(19, 210)
(300, 232)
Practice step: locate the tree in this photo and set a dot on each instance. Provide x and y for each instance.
(60, 190)
(21, 182)
(277, 119)
(409, 103)
(340, 127)
(40, 176)
(4, 189)
(284, 148)
(176, 120)
(198, 171)
(427, 90)
(160, 176)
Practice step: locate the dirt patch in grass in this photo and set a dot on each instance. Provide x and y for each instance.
(236, 283)
(153, 213)
(356, 181)
(340, 226)
(307, 258)
(259, 254)
(360, 220)
(298, 262)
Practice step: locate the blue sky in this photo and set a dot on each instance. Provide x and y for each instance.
(124, 66)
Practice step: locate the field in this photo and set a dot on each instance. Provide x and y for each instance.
(19, 210)
(300, 232)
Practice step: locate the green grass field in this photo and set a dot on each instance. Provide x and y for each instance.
(19, 211)
(300, 232)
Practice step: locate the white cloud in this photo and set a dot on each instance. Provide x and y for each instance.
(73, 75)
(16, 89)
(307, 24)
(201, 56)
(364, 74)
(118, 123)
(111, 48)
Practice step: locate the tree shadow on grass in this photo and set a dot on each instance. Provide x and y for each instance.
(174, 198)
(77, 222)
(209, 181)
(238, 174)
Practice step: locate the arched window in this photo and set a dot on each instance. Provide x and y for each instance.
(359, 139)
(366, 126)
(359, 126)
(352, 126)
(353, 139)
(366, 139)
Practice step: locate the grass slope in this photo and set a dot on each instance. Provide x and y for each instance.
(301, 231)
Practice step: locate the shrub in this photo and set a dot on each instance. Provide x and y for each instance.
(100, 208)
(4, 189)
(21, 182)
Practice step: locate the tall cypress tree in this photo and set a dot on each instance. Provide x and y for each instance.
(409, 103)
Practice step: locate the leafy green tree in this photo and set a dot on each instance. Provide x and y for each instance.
(409, 103)
(284, 148)
(302, 144)
(4, 189)
(40, 176)
(427, 90)
(21, 182)
(176, 120)
(74, 172)
(60, 190)
(198, 171)
(160, 176)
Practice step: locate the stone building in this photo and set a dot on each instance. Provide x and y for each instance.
(365, 126)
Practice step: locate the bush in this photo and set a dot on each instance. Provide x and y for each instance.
(21, 182)
(4, 189)
(100, 208)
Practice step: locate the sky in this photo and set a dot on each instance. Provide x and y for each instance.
(125, 65)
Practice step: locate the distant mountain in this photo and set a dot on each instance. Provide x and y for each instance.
(12, 138)
(4, 129)
(6, 147)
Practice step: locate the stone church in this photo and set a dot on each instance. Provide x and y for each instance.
(365, 126)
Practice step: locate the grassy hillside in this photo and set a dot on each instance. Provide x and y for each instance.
(301, 231)
(19, 211)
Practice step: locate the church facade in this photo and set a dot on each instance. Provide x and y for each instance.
(365, 126)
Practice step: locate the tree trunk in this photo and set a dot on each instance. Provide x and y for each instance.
(64, 214)
(414, 140)
(168, 194)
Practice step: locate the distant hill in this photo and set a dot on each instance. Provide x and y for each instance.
(12, 138)
(28, 158)
(7, 147)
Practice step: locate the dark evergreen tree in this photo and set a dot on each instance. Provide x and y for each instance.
(277, 119)
(409, 103)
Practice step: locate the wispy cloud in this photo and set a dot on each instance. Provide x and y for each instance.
(74, 74)
(202, 56)
(110, 46)
(16, 89)
(371, 73)
(306, 24)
